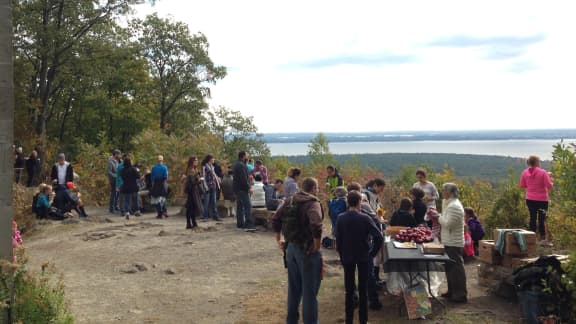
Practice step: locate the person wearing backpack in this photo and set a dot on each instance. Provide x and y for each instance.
(474, 227)
(299, 221)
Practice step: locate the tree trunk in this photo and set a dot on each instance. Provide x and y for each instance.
(6, 136)
(6, 128)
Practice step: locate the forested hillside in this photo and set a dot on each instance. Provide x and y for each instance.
(466, 166)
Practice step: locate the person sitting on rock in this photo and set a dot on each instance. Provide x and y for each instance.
(68, 199)
(41, 201)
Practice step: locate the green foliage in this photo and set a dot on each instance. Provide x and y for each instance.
(180, 67)
(562, 215)
(237, 133)
(319, 151)
(509, 209)
(569, 281)
(38, 298)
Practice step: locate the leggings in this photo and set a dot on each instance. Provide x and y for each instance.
(538, 211)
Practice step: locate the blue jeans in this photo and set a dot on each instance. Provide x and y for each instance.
(210, 204)
(113, 196)
(128, 202)
(243, 210)
(304, 277)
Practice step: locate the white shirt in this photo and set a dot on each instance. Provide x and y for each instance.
(62, 173)
(430, 191)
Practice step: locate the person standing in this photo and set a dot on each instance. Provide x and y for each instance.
(19, 162)
(452, 233)
(430, 191)
(299, 221)
(291, 182)
(419, 205)
(62, 172)
(242, 192)
(262, 170)
(537, 183)
(354, 231)
(159, 191)
(111, 172)
(194, 204)
(333, 180)
(33, 169)
(130, 177)
(213, 184)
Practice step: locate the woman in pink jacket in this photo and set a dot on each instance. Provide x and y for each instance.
(537, 183)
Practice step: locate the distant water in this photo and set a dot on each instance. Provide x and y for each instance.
(512, 148)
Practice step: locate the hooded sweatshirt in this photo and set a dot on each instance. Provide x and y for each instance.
(537, 183)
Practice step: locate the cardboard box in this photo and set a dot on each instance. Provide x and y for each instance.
(393, 230)
(511, 247)
(487, 252)
(433, 248)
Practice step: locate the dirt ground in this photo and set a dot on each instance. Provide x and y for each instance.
(147, 270)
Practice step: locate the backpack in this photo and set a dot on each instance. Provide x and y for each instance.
(293, 229)
(34, 202)
(476, 229)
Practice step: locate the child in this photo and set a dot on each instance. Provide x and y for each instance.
(404, 215)
(337, 206)
(474, 227)
(432, 216)
(42, 201)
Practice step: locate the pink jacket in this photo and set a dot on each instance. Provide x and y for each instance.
(537, 183)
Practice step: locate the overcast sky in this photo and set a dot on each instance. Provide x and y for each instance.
(330, 66)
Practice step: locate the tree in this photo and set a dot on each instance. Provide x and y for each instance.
(6, 131)
(179, 64)
(237, 133)
(47, 35)
(319, 150)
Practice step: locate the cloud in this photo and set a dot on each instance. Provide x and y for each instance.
(471, 41)
(370, 60)
(521, 67)
(503, 53)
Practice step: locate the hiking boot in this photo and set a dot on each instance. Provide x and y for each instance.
(137, 214)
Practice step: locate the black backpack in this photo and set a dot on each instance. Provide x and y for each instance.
(294, 228)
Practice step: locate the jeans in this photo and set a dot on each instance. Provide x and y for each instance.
(243, 210)
(113, 196)
(210, 204)
(128, 202)
(538, 211)
(372, 289)
(304, 278)
(349, 279)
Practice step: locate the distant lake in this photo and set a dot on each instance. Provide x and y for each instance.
(513, 148)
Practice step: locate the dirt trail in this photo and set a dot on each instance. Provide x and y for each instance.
(147, 270)
(154, 271)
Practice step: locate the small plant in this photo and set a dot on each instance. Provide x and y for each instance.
(569, 281)
(37, 298)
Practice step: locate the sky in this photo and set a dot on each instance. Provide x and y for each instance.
(351, 66)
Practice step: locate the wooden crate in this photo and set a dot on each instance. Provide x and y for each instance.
(511, 247)
(487, 252)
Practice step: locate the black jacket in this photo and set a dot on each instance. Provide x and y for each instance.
(353, 233)
(241, 180)
(130, 178)
(419, 211)
(69, 173)
(402, 217)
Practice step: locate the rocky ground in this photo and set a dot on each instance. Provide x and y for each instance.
(148, 270)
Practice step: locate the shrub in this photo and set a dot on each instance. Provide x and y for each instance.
(38, 298)
(509, 209)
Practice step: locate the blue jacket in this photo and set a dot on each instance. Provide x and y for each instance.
(159, 172)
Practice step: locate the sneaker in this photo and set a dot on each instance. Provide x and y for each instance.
(127, 215)
(137, 214)
(250, 229)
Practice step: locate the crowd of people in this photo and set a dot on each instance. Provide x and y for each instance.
(355, 212)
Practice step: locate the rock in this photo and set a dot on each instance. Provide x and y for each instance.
(129, 269)
(108, 220)
(70, 220)
(163, 233)
(170, 271)
(189, 243)
(141, 266)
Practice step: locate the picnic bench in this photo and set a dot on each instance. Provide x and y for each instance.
(262, 216)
